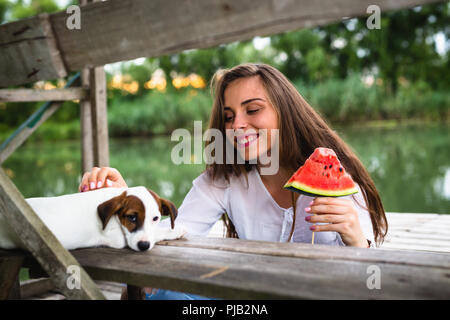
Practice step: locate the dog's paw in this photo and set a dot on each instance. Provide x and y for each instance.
(178, 232)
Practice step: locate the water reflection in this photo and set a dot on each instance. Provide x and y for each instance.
(410, 166)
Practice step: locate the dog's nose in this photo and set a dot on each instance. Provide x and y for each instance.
(143, 245)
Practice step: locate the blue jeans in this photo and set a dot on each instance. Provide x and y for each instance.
(174, 295)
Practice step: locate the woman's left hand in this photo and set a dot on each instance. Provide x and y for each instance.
(341, 216)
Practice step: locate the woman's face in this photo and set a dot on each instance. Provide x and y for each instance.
(247, 110)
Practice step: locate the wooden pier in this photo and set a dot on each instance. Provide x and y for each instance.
(409, 232)
(414, 261)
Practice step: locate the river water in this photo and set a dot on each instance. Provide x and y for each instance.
(410, 166)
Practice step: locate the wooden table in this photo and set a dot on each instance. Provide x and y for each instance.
(241, 269)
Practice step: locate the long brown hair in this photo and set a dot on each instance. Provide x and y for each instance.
(301, 130)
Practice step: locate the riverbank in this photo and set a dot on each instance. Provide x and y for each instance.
(51, 131)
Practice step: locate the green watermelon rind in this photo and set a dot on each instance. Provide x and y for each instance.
(312, 192)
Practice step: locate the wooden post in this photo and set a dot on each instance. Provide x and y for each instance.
(87, 147)
(42, 244)
(99, 116)
(93, 118)
(9, 277)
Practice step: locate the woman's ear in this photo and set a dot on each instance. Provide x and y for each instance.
(108, 208)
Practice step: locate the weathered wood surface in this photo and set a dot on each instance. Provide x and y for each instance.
(29, 52)
(42, 244)
(30, 125)
(9, 272)
(411, 231)
(99, 115)
(28, 95)
(111, 290)
(424, 231)
(240, 269)
(119, 30)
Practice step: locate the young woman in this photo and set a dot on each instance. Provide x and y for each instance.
(257, 102)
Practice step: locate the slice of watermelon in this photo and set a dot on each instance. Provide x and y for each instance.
(322, 175)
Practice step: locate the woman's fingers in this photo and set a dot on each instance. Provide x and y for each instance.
(326, 218)
(84, 182)
(330, 201)
(328, 208)
(101, 177)
(336, 227)
(92, 180)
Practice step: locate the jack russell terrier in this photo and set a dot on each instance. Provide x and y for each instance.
(113, 217)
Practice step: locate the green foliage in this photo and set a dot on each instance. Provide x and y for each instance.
(158, 113)
(325, 63)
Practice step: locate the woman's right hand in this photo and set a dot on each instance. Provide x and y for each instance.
(99, 178)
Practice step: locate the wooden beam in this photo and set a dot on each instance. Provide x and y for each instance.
(30, 125)
(24, 131)
(118, 30)
(34, 287)
(99, 116)
(251, 275)
(9, 273)
(29, 52)
(87, 142)
(42, 244)
(29, 95)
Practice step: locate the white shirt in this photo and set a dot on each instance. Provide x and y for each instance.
(253, 211)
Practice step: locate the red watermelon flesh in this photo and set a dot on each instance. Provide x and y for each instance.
(322, 175)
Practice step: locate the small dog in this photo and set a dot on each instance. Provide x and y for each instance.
(112, 217)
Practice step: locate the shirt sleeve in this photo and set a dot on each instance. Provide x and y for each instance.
(202, 207)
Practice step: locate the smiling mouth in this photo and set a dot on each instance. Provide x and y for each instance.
(245, 141)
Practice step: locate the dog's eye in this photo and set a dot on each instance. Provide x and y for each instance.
(155, 218)
(132, 218)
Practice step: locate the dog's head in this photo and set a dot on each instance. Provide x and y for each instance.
(138, 211)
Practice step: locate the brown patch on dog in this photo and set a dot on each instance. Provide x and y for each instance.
(130, 209)
(166, 207)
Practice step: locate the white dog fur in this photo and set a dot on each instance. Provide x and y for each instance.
(76, 221)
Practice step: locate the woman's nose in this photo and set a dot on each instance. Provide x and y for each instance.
(240, 122)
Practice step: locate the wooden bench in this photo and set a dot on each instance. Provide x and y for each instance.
(242, 269)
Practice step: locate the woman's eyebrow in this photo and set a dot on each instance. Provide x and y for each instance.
(245, 102)
(250, 100)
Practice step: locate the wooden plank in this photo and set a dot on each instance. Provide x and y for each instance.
(60, 94)
(9, 272)
(305, 250)
(42, 114)
(414, 247)
(35, 287)
(42, 244)
(419, 236)
(30, 125)
(86, 121)
(237, 275)
(99, 116)
(87, 144)
(118, 30)
(28, 52)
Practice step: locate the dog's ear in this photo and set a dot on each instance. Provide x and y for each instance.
(108, 208)
(169, 209)
(166, 207)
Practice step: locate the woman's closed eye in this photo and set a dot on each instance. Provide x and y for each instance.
(252, 111)
(228, 117)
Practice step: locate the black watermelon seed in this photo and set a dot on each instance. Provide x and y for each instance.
(325, 167)
(331, 166)
(340, 169)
